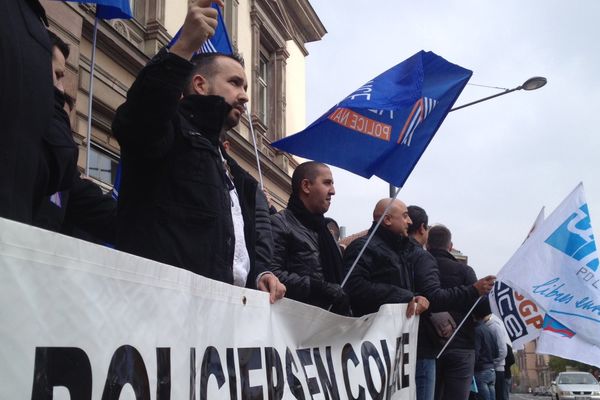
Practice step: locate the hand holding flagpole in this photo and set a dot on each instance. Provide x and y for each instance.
(199, 25)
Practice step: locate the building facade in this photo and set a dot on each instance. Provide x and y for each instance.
(532, 369)
(271, 36)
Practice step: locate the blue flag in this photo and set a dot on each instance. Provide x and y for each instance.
(383, 127)
(110, 9)
(219, 43)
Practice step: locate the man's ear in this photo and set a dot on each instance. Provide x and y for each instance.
(387, 220)
(305, 186)
(199, 84)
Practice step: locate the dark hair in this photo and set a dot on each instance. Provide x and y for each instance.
(307, 170)
(418, 216)
(204, 63)
(59, 44)
(439, 237)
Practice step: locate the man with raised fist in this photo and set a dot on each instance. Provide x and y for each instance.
(183, 200)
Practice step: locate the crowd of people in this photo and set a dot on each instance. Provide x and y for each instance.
(185, 201)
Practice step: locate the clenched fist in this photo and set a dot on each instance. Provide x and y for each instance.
(200, 24)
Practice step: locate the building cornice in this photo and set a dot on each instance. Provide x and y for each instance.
(308, 24)
(294, 19)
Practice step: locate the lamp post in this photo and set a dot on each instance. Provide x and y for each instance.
(530, 84)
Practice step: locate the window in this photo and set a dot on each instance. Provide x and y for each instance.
(263, 89)
(269, 57)
(103, 165)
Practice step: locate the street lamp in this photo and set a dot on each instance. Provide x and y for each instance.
(530, 84)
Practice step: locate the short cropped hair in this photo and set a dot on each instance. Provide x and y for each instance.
(204, 64)
(59, 44)
(439, 238)
(418, 216)
(307, 170)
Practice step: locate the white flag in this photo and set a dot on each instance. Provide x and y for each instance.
(558, 340)
(557, 268)
(522, 318)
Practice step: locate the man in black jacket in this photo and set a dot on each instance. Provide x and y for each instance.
(455, 365)
(82, 210)
(306, 257)
(183, 200)
(383, 273)
(30, 109)
(427, 283)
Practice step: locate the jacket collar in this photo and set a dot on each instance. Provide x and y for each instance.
(396, 242)
(205, 113)
(442, 254)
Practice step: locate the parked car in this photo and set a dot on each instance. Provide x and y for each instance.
(575, 386)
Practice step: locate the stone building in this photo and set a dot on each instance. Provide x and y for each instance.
(532, 368)
(270, 34)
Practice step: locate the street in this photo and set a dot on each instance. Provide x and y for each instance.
(524, 396)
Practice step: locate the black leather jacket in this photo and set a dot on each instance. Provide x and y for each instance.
(427, 283)
(295, 256)
(174, 203)
(382, 275)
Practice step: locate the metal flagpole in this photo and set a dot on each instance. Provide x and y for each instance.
(387, 208)
(458, 327)
(260, 178)
(91, 95)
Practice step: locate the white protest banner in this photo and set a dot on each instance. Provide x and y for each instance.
(557, 268)
(522, 318)
(81, 321)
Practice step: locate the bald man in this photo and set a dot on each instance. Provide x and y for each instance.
(383, 275)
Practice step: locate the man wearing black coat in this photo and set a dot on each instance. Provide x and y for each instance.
(427, 283)
(383, 273)
(82, 211)
(455, 365)
(183, 200)
(27, 109)
(306, 257)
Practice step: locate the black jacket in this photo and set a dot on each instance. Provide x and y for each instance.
(452, 274)
(83, 212)
(296, 257)
(382, 275)
(427, 283)
(26, 105)
(174, 203)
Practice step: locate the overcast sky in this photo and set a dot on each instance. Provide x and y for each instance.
(492, 166)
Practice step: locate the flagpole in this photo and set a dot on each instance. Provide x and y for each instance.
(260, 178)
(387, 208)
(458, 327)
(91, 95)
